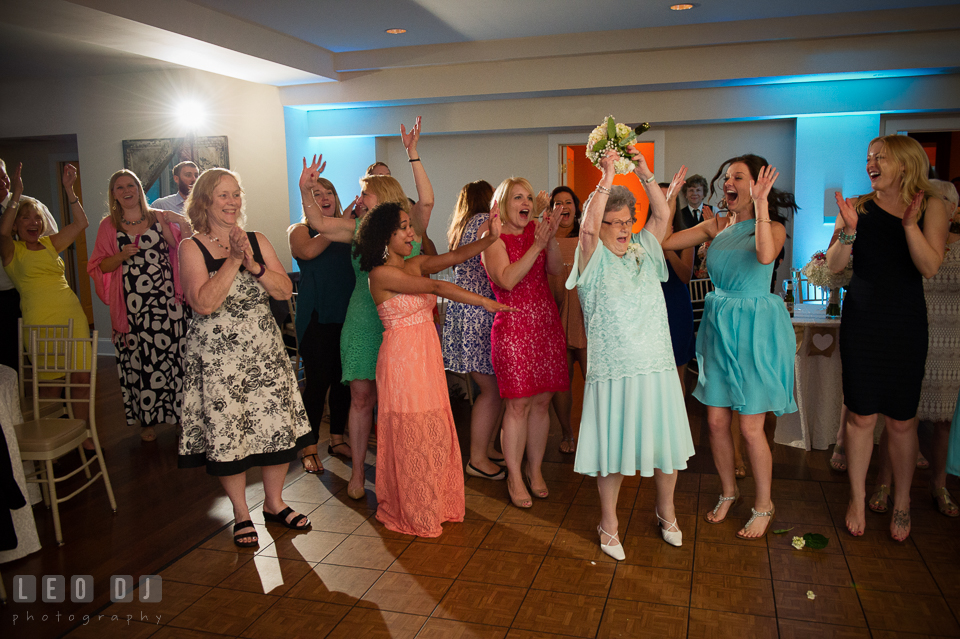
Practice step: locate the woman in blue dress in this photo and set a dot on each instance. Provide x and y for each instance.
(746, 343)
(634, 418)
(466, 332)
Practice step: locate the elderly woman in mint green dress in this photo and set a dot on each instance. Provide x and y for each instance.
(634, 417)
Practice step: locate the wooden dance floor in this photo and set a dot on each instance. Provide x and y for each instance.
(503, 572)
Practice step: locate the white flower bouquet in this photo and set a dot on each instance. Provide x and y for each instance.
(819, 274)
(616, 137)
(635, 252)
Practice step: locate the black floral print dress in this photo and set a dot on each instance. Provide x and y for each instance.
(149, 356)
(241, 403)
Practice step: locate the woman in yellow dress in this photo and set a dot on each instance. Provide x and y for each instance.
(36, 269)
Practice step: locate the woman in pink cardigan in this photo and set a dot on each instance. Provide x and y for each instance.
(134, 266)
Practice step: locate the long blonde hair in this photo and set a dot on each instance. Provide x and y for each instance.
(474, 198)
(201, 197)
(905, 151)
(115, 211)
(502, 194)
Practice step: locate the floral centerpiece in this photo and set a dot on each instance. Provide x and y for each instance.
(819, 274)
(615, 137)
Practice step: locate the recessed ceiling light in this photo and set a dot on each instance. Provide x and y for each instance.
(681, 7)
(396, 31)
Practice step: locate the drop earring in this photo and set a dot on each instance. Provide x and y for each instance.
(386, 253)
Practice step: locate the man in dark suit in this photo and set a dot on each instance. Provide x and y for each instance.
(694, 190)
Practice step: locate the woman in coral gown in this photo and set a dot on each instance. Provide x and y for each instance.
(419, 479)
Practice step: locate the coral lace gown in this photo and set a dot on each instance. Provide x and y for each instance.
(419, 474)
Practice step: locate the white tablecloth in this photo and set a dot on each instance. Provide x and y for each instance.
(818, 386)
(23, 517)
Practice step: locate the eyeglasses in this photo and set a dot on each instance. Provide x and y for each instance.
(621, 224)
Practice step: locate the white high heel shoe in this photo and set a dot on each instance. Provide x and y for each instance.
(671, 534)
(614, 550)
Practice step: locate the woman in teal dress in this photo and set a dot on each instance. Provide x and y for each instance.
(362, 329)
(634, 417)
(746, 344)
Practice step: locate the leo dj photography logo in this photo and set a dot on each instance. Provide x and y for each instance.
(53, 589)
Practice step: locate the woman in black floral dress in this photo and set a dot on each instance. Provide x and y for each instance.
(134, 268)
(241, 403)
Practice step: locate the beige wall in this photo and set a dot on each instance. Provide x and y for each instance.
(103, 111)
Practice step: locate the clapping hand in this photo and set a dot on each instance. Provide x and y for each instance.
(495, 224)
(848, 212)
(410, 139)
(760, 189)
(13, 180)
(910, 215)
(240, 247)
(546, 230)
(541, 203)
(309, 175)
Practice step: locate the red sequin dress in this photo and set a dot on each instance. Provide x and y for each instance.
(528, 344)
(419, 474)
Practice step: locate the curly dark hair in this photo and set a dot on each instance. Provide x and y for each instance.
(775, 201)
(374, 233)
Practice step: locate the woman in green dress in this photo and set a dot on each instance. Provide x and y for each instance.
(634, 417)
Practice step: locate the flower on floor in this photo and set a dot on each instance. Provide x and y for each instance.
(811, 595)
(799, 543)
(610, 135)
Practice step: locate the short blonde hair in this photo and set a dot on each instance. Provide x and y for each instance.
(27, 204)
(906, 151)
(386, 188)
(114, 210)
(502, 194)
(201, 197)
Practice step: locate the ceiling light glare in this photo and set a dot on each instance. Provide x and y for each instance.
(396, 31)
(681, 7)
(190, 114)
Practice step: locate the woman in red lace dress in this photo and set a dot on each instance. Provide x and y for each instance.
(528, 346)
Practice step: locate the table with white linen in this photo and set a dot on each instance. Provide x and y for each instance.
(23, 523)
(818, 386)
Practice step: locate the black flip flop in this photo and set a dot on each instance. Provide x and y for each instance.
(281, 518)
(236, 536)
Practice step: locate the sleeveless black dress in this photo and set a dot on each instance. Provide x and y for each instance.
(883, 328)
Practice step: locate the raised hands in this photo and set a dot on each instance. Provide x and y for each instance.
(640, 163)
(410, 139)
(679, 179)
(848, 212)
(69, 177)
(760, 189)
(240, 247)
(607, 162)
(15, 182)
(910, 215)
(542, 202)
(309, 175)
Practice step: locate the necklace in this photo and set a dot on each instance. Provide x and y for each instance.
(143, 216)
(216, 240)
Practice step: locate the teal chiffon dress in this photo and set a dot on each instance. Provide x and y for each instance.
(746, 344)
(634, 418)
(953, 450)
(362, 329)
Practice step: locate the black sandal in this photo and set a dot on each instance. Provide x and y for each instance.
(237, 536)
(332, 450)
(316, 460)
(281, 518)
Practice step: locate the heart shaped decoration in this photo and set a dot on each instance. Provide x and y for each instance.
(822, 341)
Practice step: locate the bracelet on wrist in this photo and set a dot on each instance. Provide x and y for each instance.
(767, 220)
(263, 269)
(603, 189)
(650, 180)
(307, 206)
(413, 160)
(72, 202)
(846, 239)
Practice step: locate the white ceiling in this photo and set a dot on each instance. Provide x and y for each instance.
(288, 42)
